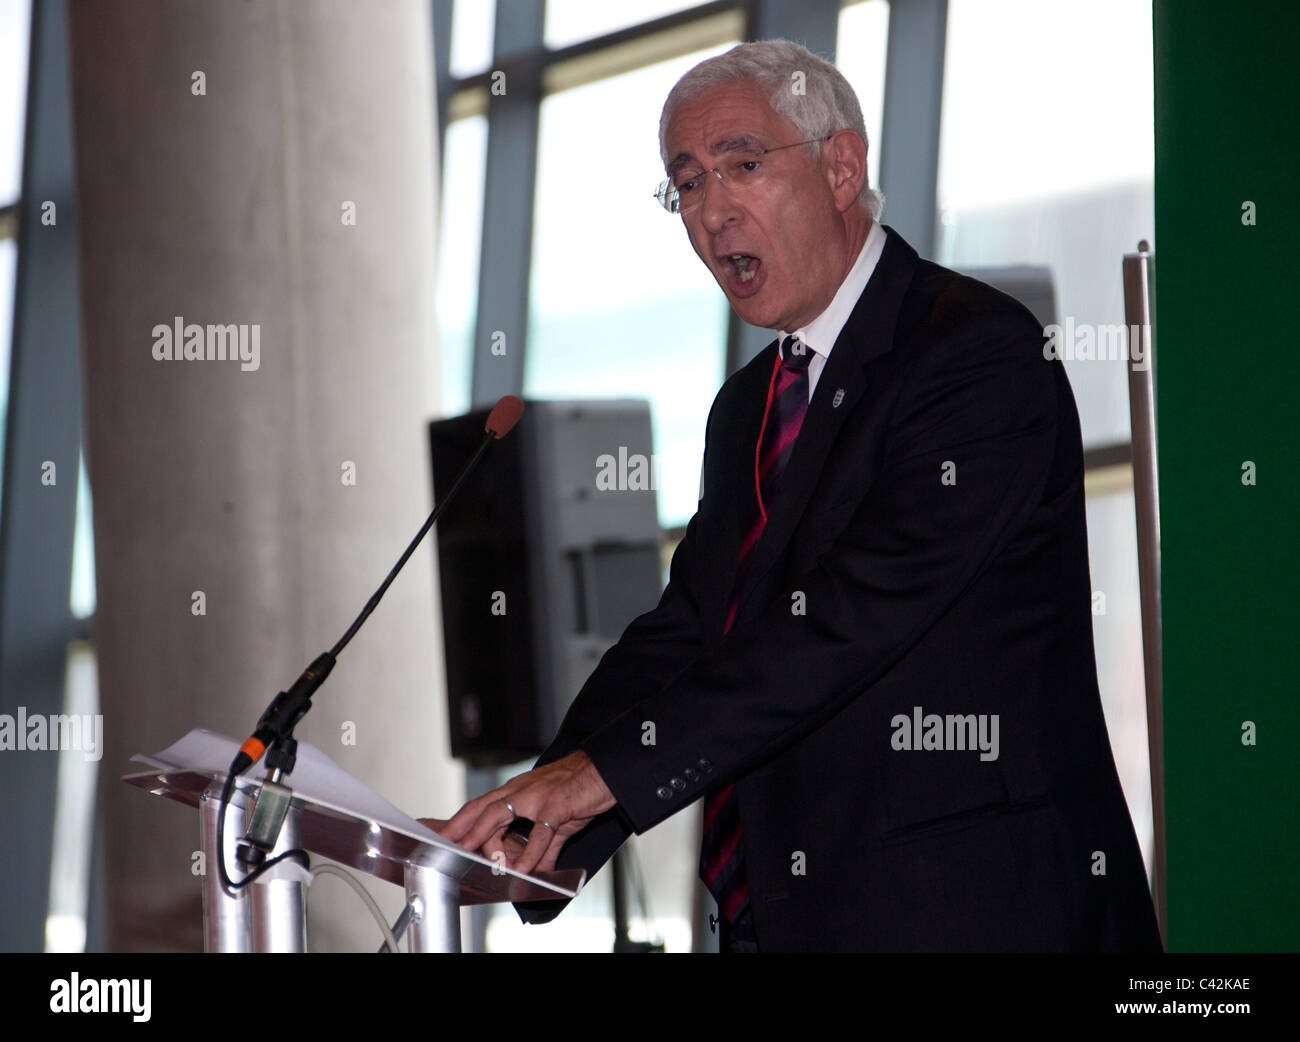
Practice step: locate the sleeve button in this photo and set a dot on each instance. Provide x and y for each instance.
(663, 792)
(678, 784)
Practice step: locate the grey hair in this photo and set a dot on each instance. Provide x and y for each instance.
(825, 104)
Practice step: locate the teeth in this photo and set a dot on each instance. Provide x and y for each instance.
(746, 266)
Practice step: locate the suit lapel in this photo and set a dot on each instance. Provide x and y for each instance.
(869, 332)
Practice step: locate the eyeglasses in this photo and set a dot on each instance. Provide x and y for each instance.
(684, 191)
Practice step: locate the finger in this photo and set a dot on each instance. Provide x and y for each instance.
(540, 840)
(548, 863)
(436, 824)
(463, 821)
(514, 844)
(460, 822)
(550, 860)
(497, 851)
(495, 818)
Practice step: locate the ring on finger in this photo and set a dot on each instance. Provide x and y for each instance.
(510, 807)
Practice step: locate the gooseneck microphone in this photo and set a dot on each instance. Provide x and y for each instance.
(273, 735)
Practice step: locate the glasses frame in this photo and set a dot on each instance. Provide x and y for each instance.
(666, 194)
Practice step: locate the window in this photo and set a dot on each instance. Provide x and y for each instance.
(860, 47)
(15, 34)
(619, 303)
(571, 21)
(471, 36)
(459, 242)
(8, 273)
(1046, 156)
(1117, 639)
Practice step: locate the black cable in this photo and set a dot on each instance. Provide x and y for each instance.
(232, 887)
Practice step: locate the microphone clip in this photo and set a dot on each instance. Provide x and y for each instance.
(271, 808)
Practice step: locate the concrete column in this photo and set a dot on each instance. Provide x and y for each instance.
(222, 150)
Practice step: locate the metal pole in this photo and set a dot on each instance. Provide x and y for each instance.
(1139, 314)
(434, 899)
(619, 870)
(279, 904)
(226, 919)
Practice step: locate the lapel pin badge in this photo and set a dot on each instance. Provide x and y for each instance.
(839, 397)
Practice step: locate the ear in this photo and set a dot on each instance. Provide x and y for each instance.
(846, 167)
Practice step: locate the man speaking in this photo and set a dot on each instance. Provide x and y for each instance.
(873, 659)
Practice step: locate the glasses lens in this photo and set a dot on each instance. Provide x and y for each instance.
(667, 196)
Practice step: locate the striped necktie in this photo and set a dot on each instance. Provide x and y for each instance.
(722, 860)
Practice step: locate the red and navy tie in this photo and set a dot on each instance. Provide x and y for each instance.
(722, 857)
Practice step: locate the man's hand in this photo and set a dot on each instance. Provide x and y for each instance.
(560, 798)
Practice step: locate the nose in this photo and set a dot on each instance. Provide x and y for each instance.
(719, 206)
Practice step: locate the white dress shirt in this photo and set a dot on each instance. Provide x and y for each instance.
(821, 333)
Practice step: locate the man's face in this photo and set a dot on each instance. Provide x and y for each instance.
(787, 222)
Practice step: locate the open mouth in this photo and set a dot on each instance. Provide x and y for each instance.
(744, 273)
(743, 267)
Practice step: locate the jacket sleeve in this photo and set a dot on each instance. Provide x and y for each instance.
(970, 447)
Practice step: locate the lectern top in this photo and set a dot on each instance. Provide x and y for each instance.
(344, 820)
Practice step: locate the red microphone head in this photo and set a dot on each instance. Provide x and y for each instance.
(503, 417)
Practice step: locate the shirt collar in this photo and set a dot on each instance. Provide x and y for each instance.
(821, 333)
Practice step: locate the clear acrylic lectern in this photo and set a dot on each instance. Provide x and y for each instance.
(339, 818)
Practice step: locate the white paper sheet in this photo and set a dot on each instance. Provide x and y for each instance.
(315, 776)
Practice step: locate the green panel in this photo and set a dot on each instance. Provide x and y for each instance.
(1227, 92)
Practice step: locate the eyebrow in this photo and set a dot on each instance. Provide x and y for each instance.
(740, 143)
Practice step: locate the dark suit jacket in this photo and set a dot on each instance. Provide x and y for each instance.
(927, 549)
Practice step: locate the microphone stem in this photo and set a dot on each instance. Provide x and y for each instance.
(371, 604)
(274, 733)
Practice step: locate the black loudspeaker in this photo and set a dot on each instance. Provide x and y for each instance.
(549, 550)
